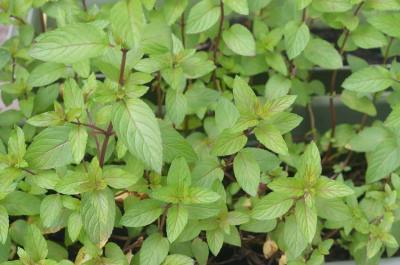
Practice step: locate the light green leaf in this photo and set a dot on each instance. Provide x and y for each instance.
(215, 240)
(50, 149)
(154, 250)
(119, 178)
(369, 80)
(330, 6)
(21, 203)
(330, 189)
(177, 218)
(240, 40)
(272, 206)
(387, 23)
(70, 44)
(200, 195)
(309, 167)
(179, 174)
(34, 243)
(176, 106)
(247, 172)
(200, 251)
(367, 37)
(358, 103)
(202, 16)
(136, 125)
(173, 9)
(177, 259)
(226, 114)
(17, 146)
(296, 39)
(74, 226)
(98, 214)
(245, 98)
(295, 242)
(142, 213)
(271, 138)
(239, 6)
(306, 218)
(228, 143)
(78, 138)
(323, 54)
(51, 210)
(383, 161)
(45, 74)
(127, 21)
(4, 224)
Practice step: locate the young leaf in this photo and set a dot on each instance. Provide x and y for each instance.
(136, 125)
(70, 44)
(330, 189)
(239, 39)
(74, 226)
(247, 172)
(245, 98)
(306, 218)
(154, 250)
(295, 242)
(179, 174)
(200, 251)
(35, 244)
(78, 138)
(369, 80)
(215, 240)
(272, 206)
(98, 214)
(271, 138)
(310, 166)
(228, 143)
(177, 218)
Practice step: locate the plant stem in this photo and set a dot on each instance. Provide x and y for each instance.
(21, 20)
(84, 5)
(159, 96)
(163, 218)
(109, 131)
(42, 20)
(92, 126)
(312, 121)
(13, 65)
(96, 139)
(183, 29)
(217, 42)
(332, 90)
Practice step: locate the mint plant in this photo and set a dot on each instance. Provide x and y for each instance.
(167, 132)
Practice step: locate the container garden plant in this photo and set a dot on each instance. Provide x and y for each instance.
(200, 132)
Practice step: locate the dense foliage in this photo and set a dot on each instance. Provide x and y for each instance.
(161, 132)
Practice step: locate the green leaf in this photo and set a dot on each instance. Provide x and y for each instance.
(73, 97)
(173, 9)
(200, 195)
(45, 74)
(367, 37)
(215, 240)
(369, 80)
(127, 21)
(50, 149)
(386, 22)
(4, 224)
(374, 245)
(272, 206)
(295, 242)
(177, 218)
(330, 6)
(358, 103)
(200, 251)
(245, 98)
(334, 210)
(306, 218)
(179, 174)
(330, 189)
(271, 138)
(98, 214)
(226, 114)
(239, 6)
(296, 39)
(310, 167)
(142, 213)
(74, 226)
(228, 143)
(34, 243)
(21, 203)
(383, 161)
(154, 250)
(78, 138)
(323, 54)
(176, 106)
(177, 259)
(119, 178)
(16, 146)
(247, 172)
(136, 125)
(202, 16)
(240, 40)
(70, 44)
(51, 210)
